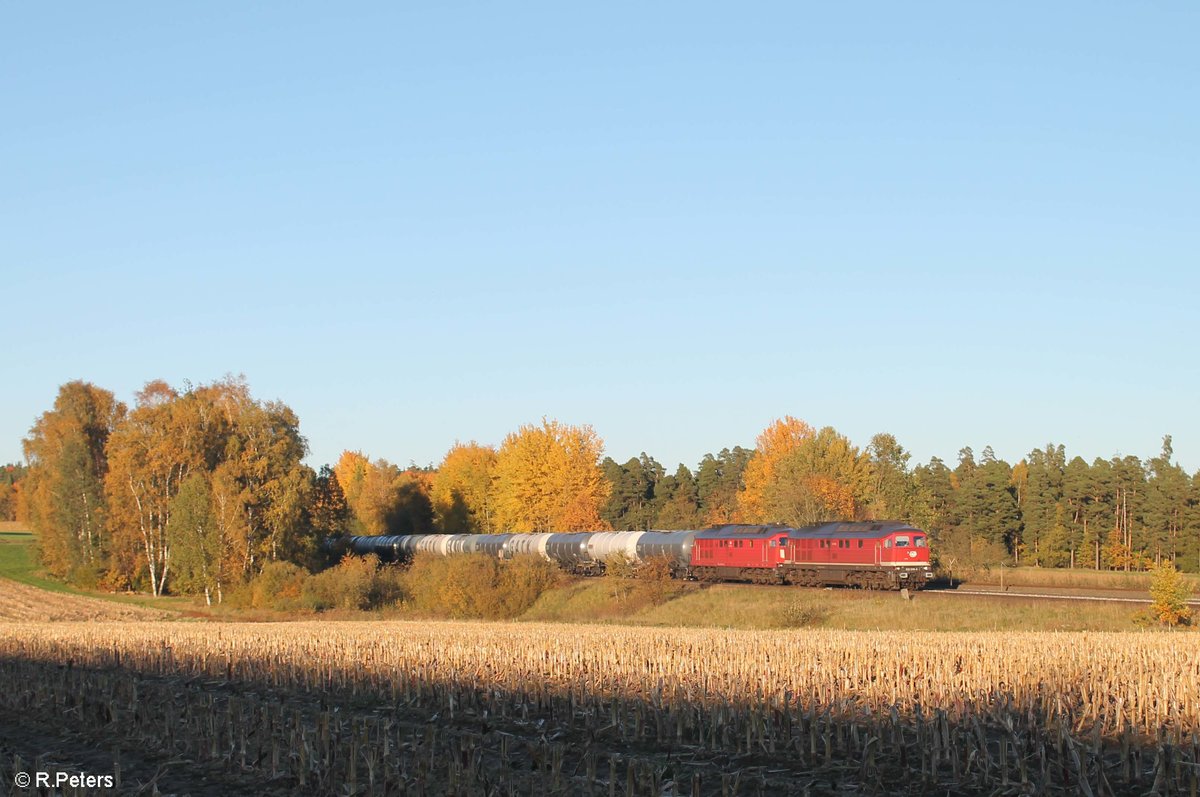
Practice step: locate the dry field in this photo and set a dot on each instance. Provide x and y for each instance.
(389, 708)
(21, 602)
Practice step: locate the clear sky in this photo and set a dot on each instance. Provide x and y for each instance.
(416, 223)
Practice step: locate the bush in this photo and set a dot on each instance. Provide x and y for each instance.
(477, 586)
(1170, 593)
(799, 614)
(637, 586)
(86, 576)
(357, 582)
(278, 586)
(522, 582)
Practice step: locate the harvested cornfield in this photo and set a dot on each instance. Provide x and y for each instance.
(499, 709)
(23, 602)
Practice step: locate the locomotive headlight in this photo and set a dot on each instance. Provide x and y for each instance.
(912, 554)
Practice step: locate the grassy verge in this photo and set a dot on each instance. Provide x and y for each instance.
(1072, 579)
(744, 606)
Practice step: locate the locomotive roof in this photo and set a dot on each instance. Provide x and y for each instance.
(840, 530)
(867, 530)
(741, 531)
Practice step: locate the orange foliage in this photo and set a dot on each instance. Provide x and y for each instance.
(775, 443)
(800, 477)
(837, 498)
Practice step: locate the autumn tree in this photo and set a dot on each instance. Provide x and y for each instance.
(410, 510)
(10, 490)
(390, 501)
(198, 542)
(762, 477)
(249, 450)
(165, 439)
(262, 455)
(329, 513)
(548, 478)
(801, 477)
(64, 488)
(1170, 595)
(825, 478)
(461, 490)
(351, 470)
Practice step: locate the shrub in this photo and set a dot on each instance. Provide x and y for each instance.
(86, 576)
(278, 586)
(354, 583)
(522, 582)
(799, 614)
(1170, 593)
(636, 586)
(477, 586)
(656, 580)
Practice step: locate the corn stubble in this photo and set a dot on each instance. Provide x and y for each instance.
(505, 709)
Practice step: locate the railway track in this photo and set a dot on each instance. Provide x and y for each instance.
(1031, 593)
(1048, 593)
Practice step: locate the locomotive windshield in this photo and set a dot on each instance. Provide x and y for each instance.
(902, 541)
(919, 540)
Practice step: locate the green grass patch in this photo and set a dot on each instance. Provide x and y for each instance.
(18, 562)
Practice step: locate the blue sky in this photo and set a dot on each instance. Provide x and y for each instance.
(675, 222)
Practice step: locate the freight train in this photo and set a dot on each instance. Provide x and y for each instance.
(875, 555)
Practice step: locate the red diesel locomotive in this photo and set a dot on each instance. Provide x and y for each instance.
(885, 555)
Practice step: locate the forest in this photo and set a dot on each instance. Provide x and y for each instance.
(194, 490)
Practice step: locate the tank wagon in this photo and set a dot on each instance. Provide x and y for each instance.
(876, 555)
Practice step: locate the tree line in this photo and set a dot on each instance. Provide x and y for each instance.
(196, 489)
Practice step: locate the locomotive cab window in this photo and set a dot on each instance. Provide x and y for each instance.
(902, 541)
(919, 541)
(887, 543)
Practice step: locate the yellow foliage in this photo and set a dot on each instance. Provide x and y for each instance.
(1170, 594)
(462, 490)
(778, 440)
(548, 478)
(351, 471)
